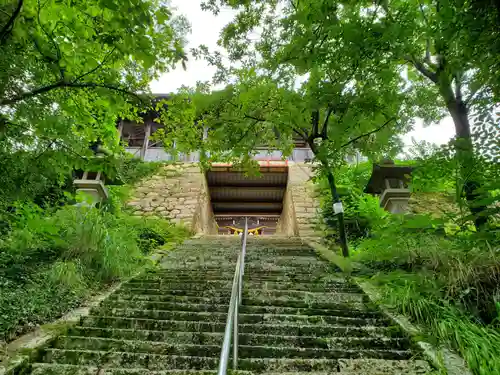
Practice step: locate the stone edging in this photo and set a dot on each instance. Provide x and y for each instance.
(16, 350)
(440, 358)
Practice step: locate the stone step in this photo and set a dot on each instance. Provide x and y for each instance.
(199, 265)
(152, 292)
(165, 362)
(277, 294)
(136, 298)
(244, 351)
(299, 315)
(281, 252)
(168, 337)
(228, 275)
(203, 316)
(151, 305)
(224, 254)
(329, 286)
(227, 260)
(188, 279)
(215, 338)
(307, 303)
(270, 296)
(410, 367)
(219, 307)
(266, 269)
(222, 297)
(180, 285)
(340, 310)
(282, 257)
(183, 276)
(292, 264)
(215, 245)
(192, 277)
(64, 369)
(289, 329)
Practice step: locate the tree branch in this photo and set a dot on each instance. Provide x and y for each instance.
(51, 39)
(324, 130)
(98, 65)
(10, 23)
(423, 13)
(258, 119)
(428, 51)
(300, 134)
(475, 93)
(367, 134)
(63, 84)
(315, 123)
(250, 127)
(422, 69)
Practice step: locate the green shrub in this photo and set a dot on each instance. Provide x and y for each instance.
(99, 240)
(446, 281)
(42, 298)
(362, 212)
(131, 169)
(466, 264)
(49, 263)
(420, 297)
(153, 233)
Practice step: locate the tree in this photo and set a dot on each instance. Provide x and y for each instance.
(428, 41)
(334, 118)
(69, 70)
(295, 81)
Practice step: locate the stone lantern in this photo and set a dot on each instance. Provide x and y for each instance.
(390, 182)
(92, 184)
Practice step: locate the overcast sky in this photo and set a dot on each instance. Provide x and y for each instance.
(205, 30)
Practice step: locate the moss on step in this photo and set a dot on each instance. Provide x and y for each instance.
(60, 369)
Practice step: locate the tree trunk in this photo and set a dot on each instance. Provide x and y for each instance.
(340, 216)
(335, 197)
(465, 154)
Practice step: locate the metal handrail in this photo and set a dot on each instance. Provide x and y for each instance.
(232, 313)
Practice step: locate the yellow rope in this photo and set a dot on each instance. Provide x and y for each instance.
(255, 231)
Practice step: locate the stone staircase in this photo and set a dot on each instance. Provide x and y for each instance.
(299, 316)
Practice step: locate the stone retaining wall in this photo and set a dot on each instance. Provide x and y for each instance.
(300, 206)
(178, 192)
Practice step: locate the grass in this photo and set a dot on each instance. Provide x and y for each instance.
(444, 323)
(447, 284)
(50, 263)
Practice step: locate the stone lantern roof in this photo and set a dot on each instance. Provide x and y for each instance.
(397, 176)
(390, 181)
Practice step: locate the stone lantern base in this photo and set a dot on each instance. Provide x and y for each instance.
(94, 188)
(395, 200)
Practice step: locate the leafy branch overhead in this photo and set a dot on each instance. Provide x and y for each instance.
(69, 70)
(361, 64)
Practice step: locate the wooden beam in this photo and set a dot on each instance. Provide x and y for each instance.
(255, 207)
(147, 133)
